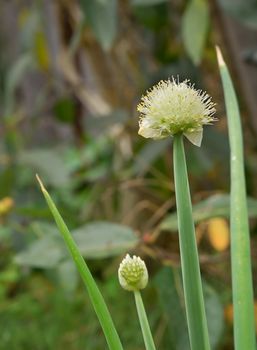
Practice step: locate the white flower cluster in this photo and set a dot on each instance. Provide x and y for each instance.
(133, 273)
(171, 107)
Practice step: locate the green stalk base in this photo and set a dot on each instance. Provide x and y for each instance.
(147, 335)
(195, 311)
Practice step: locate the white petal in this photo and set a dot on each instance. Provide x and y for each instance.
(148, 132)
(195, 137)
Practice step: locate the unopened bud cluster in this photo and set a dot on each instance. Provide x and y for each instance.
(133, 273)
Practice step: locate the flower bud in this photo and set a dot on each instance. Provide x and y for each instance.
(171, 107)
(133, 273)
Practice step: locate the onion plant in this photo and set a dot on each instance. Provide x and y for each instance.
(177, 109)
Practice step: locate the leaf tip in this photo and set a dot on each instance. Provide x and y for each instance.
(40, 183)
(220, 59)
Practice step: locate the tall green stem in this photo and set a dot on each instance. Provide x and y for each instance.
(244, 326)
(195, 311)
(147, 335)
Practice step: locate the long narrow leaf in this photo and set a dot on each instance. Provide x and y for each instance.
(95, 295)
(196, 317)
(244, 328)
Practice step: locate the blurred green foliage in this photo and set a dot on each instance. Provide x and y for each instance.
(71, 74)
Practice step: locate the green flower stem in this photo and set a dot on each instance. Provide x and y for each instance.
(95, 295)
(195, 311)
(147, 335)
(244, 326)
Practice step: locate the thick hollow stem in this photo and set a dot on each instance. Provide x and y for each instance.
(195, 311)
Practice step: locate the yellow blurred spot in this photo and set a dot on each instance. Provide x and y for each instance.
(218, 233)
(41, 50)
(6, 204)
(228, 312)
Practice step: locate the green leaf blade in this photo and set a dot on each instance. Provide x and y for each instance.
(101, 239)
(244, 324)
(44, 253)
(95, 295)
